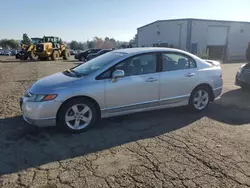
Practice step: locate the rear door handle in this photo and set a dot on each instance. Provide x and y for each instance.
(189, 74)
(151, 79)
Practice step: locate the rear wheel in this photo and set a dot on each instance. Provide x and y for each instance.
(55, 55)
(65, 54)
(200, 98)
(77, 115)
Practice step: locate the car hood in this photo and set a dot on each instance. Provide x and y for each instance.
(52, 83)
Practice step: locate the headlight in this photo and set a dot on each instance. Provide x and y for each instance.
(39, 98)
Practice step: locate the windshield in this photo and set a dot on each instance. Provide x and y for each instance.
(35, 40)
(97, 63)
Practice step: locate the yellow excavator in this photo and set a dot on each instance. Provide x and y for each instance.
(28, 50)
(51, 47)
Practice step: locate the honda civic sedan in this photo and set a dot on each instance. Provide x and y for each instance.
(121, 82)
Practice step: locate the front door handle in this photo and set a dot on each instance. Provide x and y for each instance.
(189, 74)
(151, 79)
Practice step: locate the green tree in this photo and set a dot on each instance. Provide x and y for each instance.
(13, 44)
(133, 41)
(4, 43)
(73, 45)
(90, 44)
(9, 43)
(80, 46)
(26, 39)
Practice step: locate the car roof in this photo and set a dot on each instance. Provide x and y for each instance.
(147, 49)
(134, 51)
(93, 49)
(106, 50)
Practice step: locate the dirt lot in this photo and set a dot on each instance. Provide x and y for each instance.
(167, 148)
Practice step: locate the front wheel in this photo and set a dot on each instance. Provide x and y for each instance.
(65, 54)
(32, 55)
(200, 99)
(77, 115)
(55, 55)
(82, 58)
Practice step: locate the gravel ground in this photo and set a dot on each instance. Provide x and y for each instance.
(167, 148)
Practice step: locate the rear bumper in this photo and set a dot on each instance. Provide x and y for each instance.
(217, 92)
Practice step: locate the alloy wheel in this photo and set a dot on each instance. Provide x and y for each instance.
(201, 99)
(78, 116)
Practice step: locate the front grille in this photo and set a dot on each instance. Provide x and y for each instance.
(39, 48)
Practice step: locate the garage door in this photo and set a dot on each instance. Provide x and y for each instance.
(217, 36)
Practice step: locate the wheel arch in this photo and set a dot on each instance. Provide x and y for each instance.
(82, 97)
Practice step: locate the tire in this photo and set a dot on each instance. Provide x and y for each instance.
(55, 55)
(21, 57)
(82, 58)
(24, 57)
(70, 108)
(32, 56)
(200, 99)
(65, 54)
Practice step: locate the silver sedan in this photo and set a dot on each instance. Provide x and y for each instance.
(121, 82)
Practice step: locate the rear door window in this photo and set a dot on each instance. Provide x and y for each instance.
(177, 61)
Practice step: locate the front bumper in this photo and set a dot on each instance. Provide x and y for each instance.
(41, 114)
(41, 122)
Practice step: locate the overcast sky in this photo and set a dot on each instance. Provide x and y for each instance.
(83, 19)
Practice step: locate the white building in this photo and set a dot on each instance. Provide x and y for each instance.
(218, 39)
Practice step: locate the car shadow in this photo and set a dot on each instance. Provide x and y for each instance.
(12, 61)
(23, 146)
(28, 60)
(18, 61)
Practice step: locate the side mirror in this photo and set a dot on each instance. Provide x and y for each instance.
(118, 74)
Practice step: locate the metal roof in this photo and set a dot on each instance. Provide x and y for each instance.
(194, 19)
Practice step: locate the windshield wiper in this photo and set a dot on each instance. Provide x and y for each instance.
(68, 71)
(71, 70)
(76, 73)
